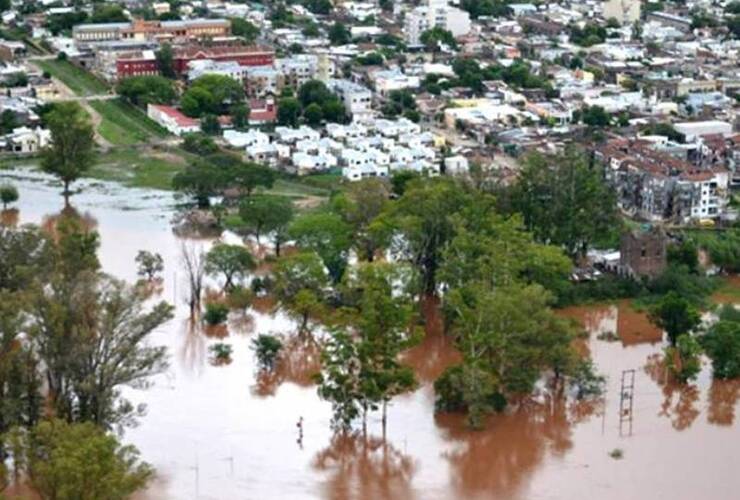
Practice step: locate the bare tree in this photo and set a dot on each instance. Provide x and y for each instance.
(194, 261)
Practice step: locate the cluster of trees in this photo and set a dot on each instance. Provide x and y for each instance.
(493, 8)
(470, 74)
(147, 89)
(211, 95)
(212, 175)
(315, 103)
(590, 34)
(435, 37)
(70, 338)
(102, 13)
(444, 235)
(401, 103)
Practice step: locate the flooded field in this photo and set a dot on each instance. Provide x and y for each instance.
(222, 432)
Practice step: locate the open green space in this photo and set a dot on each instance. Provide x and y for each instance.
(77, 79)
(123, 124)
(138, 168)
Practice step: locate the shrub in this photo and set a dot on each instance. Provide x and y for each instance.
(239, 297)
(221, 352)
(8, 194)
(216, 313)
(266, 348)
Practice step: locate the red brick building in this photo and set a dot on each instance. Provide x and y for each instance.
(145, 62)
(244, 55)
(136, 64)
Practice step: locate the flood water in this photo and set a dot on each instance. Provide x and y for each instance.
(223, 432)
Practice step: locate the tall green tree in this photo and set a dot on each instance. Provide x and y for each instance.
(201, 180)
(233, 262)
(165, 61)
(66, 461)
(266, 214)
(359, 205)
(300, 286)
(423, 218)
(70, 154)
(147, 89)
(676, 315)
(722, 345)
(565, 201)
(326, 234)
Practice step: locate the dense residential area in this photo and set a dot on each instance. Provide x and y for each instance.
(433, 249)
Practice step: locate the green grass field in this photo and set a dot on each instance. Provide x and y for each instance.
(78, 80)
(125, 125)
(139, 168)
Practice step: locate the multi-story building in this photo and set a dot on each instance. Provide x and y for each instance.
(436, 13)
(624, 11)
(192, 29)
(240, 54)
(357, 99)
(657, 186)
(298, 69)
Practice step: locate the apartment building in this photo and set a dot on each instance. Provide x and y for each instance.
(139, 29)
(436, 13)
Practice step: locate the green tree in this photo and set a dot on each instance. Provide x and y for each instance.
(108, 13)
(266, 349)
(675, 315)
(240, 115)
(70, 154)
(595, 116)
(322, 7)
(289, 109)
(326, 234)
(201, 180)
(432, 38)
(8, 121)
(359, 204)
(199, 144)
(147, 89)
(423, 218)
(245, 29)
(233, 262)
(267, 214)
(313, 114)
(165, 61)
(210, 125)
(300, 286)
(8, 194)
(79, 462)
(339, 34)
(722, 345)
(564, 201)
(683, 359)
(150, 264)
(211, 94)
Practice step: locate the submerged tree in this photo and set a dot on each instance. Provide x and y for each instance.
(233, 262)
(70, 153)
(326, 234)
(150, 264)
(78, 461)
(359, 205)
(194, 263)
(300, 286)
(266, 214)
(675, 315)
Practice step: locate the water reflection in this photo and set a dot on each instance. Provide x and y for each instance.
(9, 217)
(723, 396)
(364, 467)
(86, 220)
(502, 457)
(192, 351)
(299, 361)
(679, 400)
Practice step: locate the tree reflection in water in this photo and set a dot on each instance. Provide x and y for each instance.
(723, 396)
(193, 350)
(364, 467)
(299, 360)
(9, 217)
(498, 460)
(679, 400)
(50, 222)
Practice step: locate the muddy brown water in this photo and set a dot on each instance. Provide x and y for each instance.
(225, 432)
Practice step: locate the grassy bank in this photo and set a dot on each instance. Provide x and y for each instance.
(78, 80)
(140, 167)
(124, 125)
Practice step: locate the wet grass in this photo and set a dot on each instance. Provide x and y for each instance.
(123, 124)
(77, 79)
(136, 168)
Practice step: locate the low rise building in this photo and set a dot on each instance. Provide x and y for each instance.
(172, 119)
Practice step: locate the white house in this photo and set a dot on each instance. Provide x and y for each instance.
(172, 119)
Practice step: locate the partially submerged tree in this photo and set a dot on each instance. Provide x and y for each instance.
(194, 263)
(70, 154)
(300, 286)
(8, 195)
(267, 214)
(233, 262)
(675, 315)
(326, 234)
(150, 264)
(79, 461)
